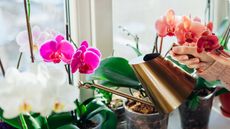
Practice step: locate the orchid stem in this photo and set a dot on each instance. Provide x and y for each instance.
(161, 44)
(19, 60)
(2, 68)
(155, 47)
(71, 40)
(23, 122)
(29, 28)
(28, 5)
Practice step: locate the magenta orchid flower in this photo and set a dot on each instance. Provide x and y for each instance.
(189, 30)
(207, 42)
(166, 24)
(57, 50)
(86, 59)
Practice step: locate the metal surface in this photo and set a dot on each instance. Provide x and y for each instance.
(166, 85)
(115, 92)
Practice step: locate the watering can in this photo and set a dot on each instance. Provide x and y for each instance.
(166, 85)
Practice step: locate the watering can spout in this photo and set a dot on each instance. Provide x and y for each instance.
(166, 85)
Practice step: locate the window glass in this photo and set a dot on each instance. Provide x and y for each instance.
(139, 16)
(47, 14)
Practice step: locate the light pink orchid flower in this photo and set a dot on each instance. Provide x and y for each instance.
(189, 30)
(86, 59)
(166, 24)
(38, 35)
(57, 50)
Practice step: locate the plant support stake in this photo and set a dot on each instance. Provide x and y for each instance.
(19, 60)
(2, 68)
(29, 30)
(161, 44)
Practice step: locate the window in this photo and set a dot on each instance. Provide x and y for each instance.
(44, 13)
(139, 17)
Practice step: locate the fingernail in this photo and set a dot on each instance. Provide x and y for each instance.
(174, 49)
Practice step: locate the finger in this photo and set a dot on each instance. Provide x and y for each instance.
(179, 57)
(199, 66)
(191, 61)
(184, 50)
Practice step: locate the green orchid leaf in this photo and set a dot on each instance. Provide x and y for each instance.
(98, 108)
(200, 83)
(107, 96)
(183, 67)
(87, 101)
(13, 122)
(33, 122)
(57, 120)
(221, 91)
(116, 70)
(194, 102)
(81, 109)
(68, 126)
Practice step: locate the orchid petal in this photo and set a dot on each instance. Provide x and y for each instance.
(161, 27)
(47, 49)
(76, 61)
(197, 28)
(91, 61)
(67, 50)
(210, 26)
(196, 19)
(186, 22)
(85, 43)
(170, 17)
(95, 50)
(22, 38)
(82, 48)
(36, 31)
(59, 38)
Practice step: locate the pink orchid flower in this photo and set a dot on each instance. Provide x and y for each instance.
(189, 30)
(166, 24)
(207, 42)
(57, 50)
(86, 59)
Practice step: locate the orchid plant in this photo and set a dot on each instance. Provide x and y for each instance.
(190, 31)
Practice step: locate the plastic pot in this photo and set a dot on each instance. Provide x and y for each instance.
(225, 104)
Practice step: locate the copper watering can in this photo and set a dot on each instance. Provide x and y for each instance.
(166, 85)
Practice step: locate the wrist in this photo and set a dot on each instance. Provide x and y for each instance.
(212, 72)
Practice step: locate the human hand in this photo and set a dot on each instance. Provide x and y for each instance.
(199, 61)
(220, 58)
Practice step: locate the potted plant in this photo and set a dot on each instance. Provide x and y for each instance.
(116, 72)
